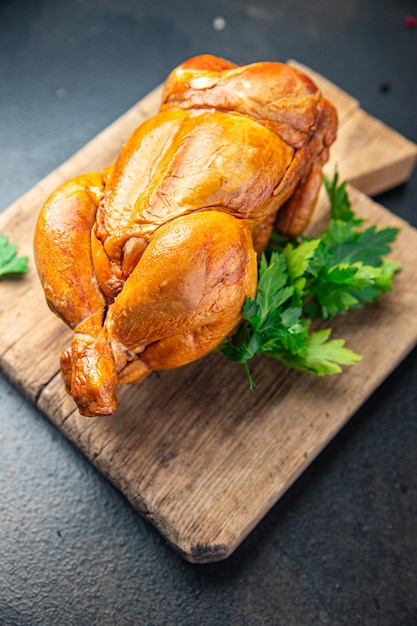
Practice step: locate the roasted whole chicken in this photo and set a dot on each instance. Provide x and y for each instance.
(150, 262)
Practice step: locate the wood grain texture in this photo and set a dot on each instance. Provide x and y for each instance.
(194, 450)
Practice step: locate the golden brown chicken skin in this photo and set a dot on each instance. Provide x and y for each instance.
(151, 261)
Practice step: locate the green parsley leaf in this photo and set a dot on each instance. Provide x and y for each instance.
(368, 246)
(321, 356)
(340, 207)
(348, 268)
(10, 263)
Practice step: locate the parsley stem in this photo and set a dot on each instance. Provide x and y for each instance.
(252, 384)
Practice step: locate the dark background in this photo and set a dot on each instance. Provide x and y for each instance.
(341, 546)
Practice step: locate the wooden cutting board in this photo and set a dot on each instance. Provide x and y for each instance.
(194, 450)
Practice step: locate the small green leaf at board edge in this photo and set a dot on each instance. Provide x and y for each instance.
(10, 263)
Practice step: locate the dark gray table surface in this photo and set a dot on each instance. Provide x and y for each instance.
(341, 546)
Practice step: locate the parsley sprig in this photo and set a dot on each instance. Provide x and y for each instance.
(344, 268)
(10, 263)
